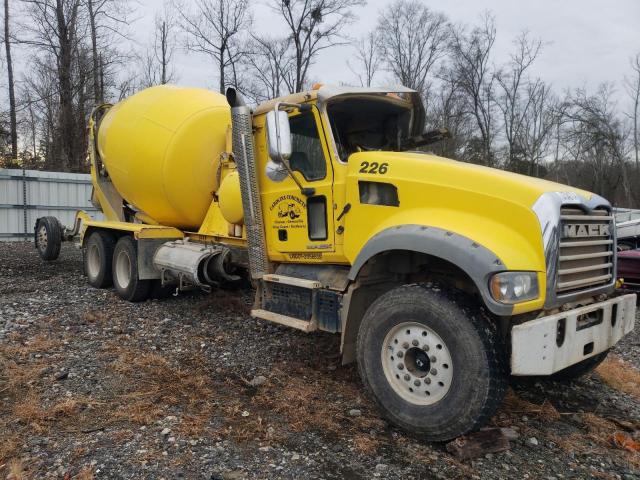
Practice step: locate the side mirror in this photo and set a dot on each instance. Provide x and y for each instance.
(278, 136)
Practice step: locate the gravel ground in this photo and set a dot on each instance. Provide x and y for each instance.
(192, 387)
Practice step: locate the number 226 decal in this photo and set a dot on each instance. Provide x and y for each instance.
(374, 167)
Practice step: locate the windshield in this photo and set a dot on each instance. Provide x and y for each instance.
(369, 122)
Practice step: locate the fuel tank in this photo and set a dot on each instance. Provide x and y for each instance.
(161, 148)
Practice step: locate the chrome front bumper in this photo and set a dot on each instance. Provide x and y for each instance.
(549, 344)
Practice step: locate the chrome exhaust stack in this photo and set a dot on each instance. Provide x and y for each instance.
(244, 157)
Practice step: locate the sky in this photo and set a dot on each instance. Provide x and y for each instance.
(587, 42)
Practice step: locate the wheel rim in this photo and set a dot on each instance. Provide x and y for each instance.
(417, 363)
(93, 261)
(42, 238)
(123, 269)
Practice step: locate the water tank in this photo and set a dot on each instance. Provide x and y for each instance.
(161, 148)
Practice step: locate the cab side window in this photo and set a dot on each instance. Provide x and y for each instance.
(307, 156)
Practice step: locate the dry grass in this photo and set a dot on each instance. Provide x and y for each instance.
(516, 404)
(9, 446)
(21, 349)
(85, 474)
(15, 470)
(601, 433)
(366, 444)
(299, 397)
(150, 384)
(620, 375)
(93, 316)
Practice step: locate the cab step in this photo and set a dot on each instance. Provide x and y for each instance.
(304, 325)
(296, 302)
(293, 281)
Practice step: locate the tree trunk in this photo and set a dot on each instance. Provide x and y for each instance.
(163, 48)
(12, 96)
(97, 91)
(222, 71)
(66, 32)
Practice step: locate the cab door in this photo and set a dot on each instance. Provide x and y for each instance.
(297, 226)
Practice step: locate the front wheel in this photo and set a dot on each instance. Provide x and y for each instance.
(432, 361)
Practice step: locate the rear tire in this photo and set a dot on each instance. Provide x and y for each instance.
(97, 259)
(580, 369)
(125, 272)
(48, 238)
(432, 361)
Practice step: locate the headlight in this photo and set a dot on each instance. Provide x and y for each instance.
(514, 287)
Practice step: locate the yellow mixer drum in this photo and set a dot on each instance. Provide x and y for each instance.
(161, 148)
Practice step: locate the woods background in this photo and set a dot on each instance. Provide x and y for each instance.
(499, 111)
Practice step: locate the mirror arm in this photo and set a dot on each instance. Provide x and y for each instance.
(306, 191)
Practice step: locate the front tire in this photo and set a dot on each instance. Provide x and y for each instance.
(125, 272)
(432, 361)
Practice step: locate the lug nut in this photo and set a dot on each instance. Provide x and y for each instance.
(425, 348)
(434, 371)
(407, 377)
(399, 354)
(432, 359)
(400, 366)
(417, 383)
(427, 381)
(414, 343)
(405, 345)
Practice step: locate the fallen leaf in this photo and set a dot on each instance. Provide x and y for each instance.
(625, 442)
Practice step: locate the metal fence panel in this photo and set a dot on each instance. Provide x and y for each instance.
(26, 195)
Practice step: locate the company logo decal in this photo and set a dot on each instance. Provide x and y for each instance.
(288, 212)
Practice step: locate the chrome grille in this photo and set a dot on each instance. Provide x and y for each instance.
(586, 257)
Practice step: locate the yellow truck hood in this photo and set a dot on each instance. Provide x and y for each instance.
(462, 176)
(490, 206)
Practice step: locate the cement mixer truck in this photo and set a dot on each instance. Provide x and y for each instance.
(442, 278)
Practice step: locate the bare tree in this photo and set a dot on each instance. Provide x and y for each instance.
(594, 141)
(40, 98)
(633, 89)
(157, 62)
(215, 29)
(107, 19)
(449, 110)
(13, 123)
(368, 59)
(470, 57)
(538, 123)
(314, 25)
(270, 65)
(164, 46)
(52, 27)
(514, 103)
(412, 39)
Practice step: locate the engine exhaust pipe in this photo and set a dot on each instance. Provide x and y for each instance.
(243, 154)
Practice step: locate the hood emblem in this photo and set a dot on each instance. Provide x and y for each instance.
(580, 230)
